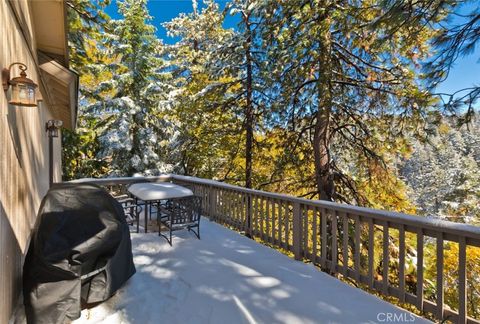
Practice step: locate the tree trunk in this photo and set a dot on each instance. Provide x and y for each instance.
(321, 139)
(249, 113)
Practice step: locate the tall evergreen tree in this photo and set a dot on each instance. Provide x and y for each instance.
(443, 172)
(350, 69)
(229, 65)
(132, 136)
(201, 104)
(87, 21)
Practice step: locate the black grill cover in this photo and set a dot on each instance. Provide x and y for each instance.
(80, 251)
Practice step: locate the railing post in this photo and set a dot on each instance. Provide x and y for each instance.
(249, 216)
(211, 202)
(297, 231)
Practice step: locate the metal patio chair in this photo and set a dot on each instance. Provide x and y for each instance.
(131, 209)
(178, 214)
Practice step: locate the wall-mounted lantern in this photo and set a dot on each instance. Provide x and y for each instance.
(51, 127)
(23, 88)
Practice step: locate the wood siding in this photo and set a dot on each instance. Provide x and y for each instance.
(23, 155)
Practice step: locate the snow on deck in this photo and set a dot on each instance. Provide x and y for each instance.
(227, 278)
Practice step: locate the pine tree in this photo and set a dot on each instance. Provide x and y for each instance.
(346, 78)
(443, 173)
(132, 136)
(86, 23)
(201, 103)
(224, 68)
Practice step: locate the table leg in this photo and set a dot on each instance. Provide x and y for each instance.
(137, 215)
(146, 215)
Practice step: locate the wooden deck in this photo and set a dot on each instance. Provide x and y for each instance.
(228, 278)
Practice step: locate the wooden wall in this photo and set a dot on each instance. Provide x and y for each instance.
(23, 155)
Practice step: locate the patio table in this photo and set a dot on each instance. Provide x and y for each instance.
(153, 192)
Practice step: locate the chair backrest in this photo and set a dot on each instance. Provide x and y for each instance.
(186, 210)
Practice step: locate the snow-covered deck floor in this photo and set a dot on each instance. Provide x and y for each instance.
(226, 278)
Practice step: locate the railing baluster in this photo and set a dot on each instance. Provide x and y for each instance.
(231, 207)
(420, 269)
(254, 215)
(215, 204)
(242, 207)
(287, 225)
(440, 275)
(227, 202)
(401, 262)
(314, 235)
(279, 223)
(272, 220)
(281, 240)
(238, 210)
(258, 218)
(272, 202)
(257, 213)
(305, 230)
(385, 261)
(267, 219)
(226, 206)
(324, 240)
(371, 253)
(462, 281)
(345, 244)
(220, 213)
(297, 231)
(235, 210)
(249, 214)
(333, 266)
(262, 217)
(209, 201)
(357, 248)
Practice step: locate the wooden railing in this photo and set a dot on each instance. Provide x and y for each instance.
(341, 239)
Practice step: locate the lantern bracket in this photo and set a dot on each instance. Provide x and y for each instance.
(6, 74)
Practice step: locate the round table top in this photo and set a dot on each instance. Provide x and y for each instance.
(158, 191)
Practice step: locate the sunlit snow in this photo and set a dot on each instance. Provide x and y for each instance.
(228, 278)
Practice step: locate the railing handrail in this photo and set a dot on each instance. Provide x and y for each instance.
(469, 231)
(472, 233)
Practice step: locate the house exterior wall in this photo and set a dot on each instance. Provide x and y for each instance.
(23, 154)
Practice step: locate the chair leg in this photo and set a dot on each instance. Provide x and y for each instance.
(169, 237)
(159, 227)
(197, 232)
(137, 218)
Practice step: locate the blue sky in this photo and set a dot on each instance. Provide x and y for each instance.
(165, 10)
(465, 73)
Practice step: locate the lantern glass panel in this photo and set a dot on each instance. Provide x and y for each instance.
(23, 94)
